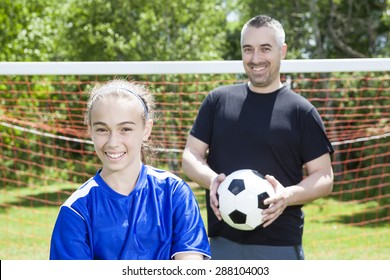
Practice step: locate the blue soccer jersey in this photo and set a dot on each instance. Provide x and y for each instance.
(157, 220)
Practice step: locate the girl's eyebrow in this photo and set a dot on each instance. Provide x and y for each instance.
(99, 123)
(104, 124)
(126, 122)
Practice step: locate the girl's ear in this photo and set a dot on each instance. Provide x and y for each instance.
(147, 129)
(89, 131)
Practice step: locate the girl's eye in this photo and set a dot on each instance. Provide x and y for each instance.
(126, 129)
(101, 130)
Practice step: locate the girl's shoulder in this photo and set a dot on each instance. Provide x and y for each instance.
(161, 174)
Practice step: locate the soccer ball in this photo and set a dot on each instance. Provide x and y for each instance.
(241, 196)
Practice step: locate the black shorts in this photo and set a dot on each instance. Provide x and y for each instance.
(224, 249)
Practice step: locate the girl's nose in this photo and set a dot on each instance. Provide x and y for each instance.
(113, 140)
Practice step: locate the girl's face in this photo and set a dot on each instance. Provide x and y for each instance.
(118, 131)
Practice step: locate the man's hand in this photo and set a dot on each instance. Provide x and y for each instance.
(213, 194)
(277, 203)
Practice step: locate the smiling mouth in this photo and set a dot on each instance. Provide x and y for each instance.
(258, 68)
(114, 155)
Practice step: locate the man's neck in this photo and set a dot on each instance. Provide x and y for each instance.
(267, 89)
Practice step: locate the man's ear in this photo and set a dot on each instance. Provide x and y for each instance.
(284, 50)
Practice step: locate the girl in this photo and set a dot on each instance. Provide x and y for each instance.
(128, 210)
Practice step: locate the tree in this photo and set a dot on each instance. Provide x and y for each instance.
(142, 30)
(358, 28)
(50, 30)
(322, 28)
(27, 29)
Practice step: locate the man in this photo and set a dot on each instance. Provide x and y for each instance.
(260, 125)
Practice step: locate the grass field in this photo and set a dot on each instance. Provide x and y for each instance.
(26, 222)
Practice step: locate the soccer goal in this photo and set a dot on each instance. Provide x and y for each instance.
(46, 153)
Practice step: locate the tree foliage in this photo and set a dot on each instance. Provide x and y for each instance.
(141, 30)
(323, 28)
(121, 30)
(27, 30)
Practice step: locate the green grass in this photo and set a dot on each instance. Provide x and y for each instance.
(337, 230)
(332, 228)
(26, 221)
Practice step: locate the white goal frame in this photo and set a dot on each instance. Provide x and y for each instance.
(188, 67)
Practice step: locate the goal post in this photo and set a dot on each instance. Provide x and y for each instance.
(188, 67)
(46, 153)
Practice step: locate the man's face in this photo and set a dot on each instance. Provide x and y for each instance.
(261, 56)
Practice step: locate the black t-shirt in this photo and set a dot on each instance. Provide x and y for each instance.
(274, 133)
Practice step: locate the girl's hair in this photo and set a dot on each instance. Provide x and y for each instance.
(129, 90)
(266, 21)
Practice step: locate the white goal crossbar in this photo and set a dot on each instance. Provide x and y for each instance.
(188, 67)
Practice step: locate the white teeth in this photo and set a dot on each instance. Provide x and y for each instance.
(258, 68)
(115, 156)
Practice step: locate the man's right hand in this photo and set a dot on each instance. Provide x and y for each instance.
(213, 194)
